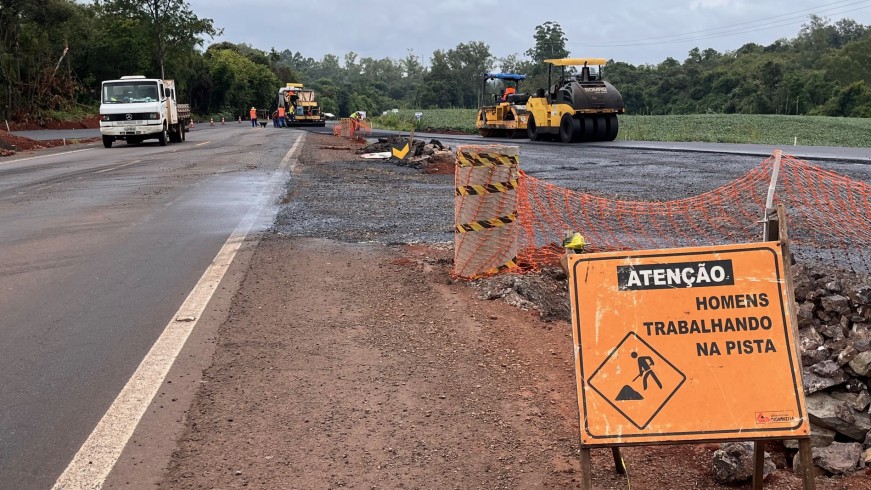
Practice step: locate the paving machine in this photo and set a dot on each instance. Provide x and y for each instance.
(300, 106)
(503, 113)
(578, 106)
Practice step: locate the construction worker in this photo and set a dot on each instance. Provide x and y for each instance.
(253, 114)
(508, 91)
(281, 122)
(294, 100)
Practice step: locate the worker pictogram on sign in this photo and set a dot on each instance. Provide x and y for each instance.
(636, 380)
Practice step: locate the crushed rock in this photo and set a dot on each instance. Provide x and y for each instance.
(421, 154)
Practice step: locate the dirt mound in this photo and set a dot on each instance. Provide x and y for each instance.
(29, 124)
(11, 144)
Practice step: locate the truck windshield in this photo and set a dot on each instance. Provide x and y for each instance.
(129, 92)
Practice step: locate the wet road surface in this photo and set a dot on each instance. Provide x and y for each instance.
(100, 247)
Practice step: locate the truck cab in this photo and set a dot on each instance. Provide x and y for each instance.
(135, 108)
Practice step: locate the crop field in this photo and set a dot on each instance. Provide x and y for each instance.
(712, 128)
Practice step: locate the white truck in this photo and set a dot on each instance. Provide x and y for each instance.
(135, 108)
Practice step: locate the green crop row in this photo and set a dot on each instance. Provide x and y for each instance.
(713, 128)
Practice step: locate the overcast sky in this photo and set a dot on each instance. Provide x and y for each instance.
(633, 31)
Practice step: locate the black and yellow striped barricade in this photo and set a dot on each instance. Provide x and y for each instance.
(485, 210)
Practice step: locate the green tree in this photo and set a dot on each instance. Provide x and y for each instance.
(455, 76)
(37, 62)
(238, 83)
(411, 66)
(550, 42)
(851, 63)
(170, 25)
(854, 100)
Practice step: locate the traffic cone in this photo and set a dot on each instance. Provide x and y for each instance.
(222, 120)
(240, 119)
(192, 124)
(212, 122)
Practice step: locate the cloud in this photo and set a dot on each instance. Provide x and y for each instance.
(633, 31)
(712, 4)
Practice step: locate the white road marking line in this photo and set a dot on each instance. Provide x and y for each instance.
(203, 143)
(95, 459)
(45, 156)
(116, 168)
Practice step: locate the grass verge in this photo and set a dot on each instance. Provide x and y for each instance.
(710, 128)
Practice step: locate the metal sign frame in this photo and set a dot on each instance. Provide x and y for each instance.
(673, 378)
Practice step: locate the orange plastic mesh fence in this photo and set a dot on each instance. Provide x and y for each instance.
(829, 217)
(360, 128)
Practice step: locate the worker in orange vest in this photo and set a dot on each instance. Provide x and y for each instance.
(253, 114)
(508, 91)
(281, 122)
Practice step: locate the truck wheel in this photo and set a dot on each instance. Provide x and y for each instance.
(532, 131)
(182, 131)
(587, 133)
(107, 141)
(601, 125)
(569, 128)
(161, 138)
(613, 127)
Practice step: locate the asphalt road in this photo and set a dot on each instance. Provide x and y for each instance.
(820, 153)
(100, 247)
(653, 171)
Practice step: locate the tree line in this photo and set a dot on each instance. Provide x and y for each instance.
(55, 53)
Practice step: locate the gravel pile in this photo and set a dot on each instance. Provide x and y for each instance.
(355, 200)
(834, 320)
(421, 154)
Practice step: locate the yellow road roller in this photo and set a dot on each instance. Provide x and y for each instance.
(578, 104)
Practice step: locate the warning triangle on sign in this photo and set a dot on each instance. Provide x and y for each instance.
(654, 375)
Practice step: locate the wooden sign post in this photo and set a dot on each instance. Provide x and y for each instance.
(686, 345)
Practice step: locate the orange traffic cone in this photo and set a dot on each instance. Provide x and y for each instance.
(212, 122)
(192, 124)
(240, 119)
(222, 120)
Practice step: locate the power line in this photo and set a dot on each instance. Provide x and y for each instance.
(800, 14)
(698, 38)
(727, 31)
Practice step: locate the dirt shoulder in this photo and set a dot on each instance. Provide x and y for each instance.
(364, 365)
(48, 123)
(10, 143)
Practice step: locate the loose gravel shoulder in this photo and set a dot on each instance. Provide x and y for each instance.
(349, 360)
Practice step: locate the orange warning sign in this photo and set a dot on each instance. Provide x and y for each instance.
(685, 345)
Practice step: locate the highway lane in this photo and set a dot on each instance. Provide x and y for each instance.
(100, 247)
(810, 153)
(647, 170)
